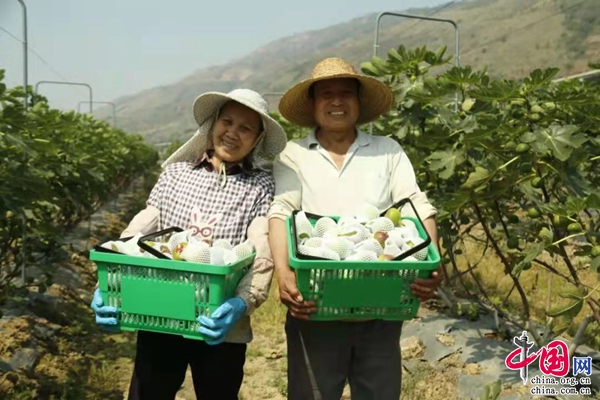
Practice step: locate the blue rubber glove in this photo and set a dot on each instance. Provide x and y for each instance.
(222, 320)
(105, 315)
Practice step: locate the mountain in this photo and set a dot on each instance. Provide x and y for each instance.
(508, 37)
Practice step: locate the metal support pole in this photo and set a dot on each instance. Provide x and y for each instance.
(23, 258)
(454, 23)
(25, 68)
(101, 102)
(272, 94)
(422, 17)
(68, 83)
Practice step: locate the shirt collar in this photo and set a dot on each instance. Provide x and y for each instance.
(362, 139)
(204, 162)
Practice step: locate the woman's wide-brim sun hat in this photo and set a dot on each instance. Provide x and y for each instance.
(272, 141)
(376, 97)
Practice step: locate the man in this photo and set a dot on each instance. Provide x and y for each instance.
(335, 171)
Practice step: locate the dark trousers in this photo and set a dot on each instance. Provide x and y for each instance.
(366, 354)
(162, 360)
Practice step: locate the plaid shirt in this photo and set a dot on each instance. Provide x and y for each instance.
(183, 185)
(243, 201)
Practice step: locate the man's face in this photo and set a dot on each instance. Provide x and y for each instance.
(235, 132)
(335, 104)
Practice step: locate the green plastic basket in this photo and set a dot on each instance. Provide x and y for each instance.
(163, 295)
(356, 290)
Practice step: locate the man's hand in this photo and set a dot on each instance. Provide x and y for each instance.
(424, 289)
(291, 297)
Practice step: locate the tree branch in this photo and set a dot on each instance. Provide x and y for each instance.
(507, 267)
(567, 261)
(554, 271)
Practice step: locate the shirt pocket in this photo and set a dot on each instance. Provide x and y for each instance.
(376, 185)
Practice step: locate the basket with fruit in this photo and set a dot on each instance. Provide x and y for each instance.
(361, 266)
(164, 281)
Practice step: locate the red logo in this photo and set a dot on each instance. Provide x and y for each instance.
(554, 357)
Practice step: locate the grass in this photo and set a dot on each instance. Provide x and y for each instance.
(542, 287)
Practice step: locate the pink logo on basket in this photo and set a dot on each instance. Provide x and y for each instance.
(203, 230)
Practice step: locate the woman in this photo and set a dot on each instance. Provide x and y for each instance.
(223, 169)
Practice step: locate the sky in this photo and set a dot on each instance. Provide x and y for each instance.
(120, 47)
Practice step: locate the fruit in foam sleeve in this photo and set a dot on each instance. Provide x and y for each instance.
(175, 246)
(393, 214)
(332, 233)
(354, 232)
(363, 255)
(304, 229)
(370, 245)
(347, 220)
(397, 237)
(343, 247)
(364, 236)
(381, 237)
(421, 254)
(322, 252)
(380, 224)
(323, 225)
(179, 237)
(315, 241)
(224, 243)
(178, 250)
(391, 249)
(194, 252)
(409, 258)
(407, 231)
(385, 257)
(410, 225)
(229, 257)
(367, 213)
(217, 256)
(243, 250)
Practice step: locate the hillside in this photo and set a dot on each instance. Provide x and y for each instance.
(509, 37)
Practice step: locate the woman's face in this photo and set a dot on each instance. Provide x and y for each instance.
(235, 132)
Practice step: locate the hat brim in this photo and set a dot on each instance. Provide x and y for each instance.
(207, 104)
(376, 99)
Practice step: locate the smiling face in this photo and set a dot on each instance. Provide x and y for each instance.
(235, 132)
(335, 104)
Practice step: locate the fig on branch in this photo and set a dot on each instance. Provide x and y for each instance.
(533, 212)
(522, 148)
(574, 227)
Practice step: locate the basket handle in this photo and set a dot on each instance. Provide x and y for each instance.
(154, 235)
(98, 247)
(421, 246)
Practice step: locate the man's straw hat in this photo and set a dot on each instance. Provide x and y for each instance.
(375, 97)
